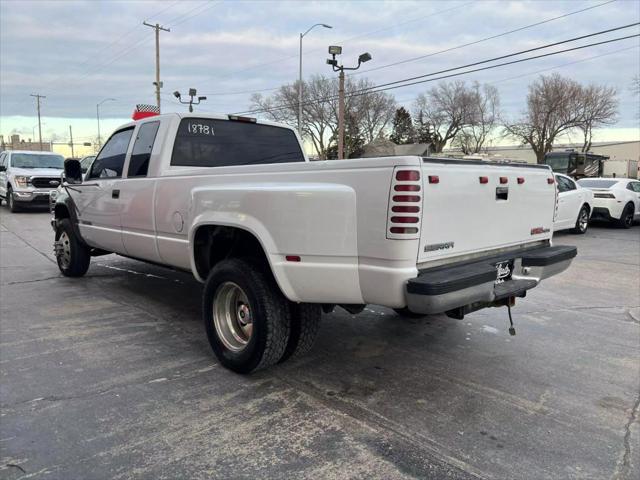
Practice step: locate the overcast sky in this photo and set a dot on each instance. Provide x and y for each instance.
(79, 52)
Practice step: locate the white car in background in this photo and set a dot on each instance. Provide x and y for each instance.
(575, 205)
(27, 178)
(614, 199)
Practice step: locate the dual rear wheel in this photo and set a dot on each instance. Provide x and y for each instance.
(250, 324)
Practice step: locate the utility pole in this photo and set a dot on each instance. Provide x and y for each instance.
(333, 51)
(71, 141)
(157, 83)
(341, 116)
(38, 97)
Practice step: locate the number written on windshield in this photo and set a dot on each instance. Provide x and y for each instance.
(199, 129)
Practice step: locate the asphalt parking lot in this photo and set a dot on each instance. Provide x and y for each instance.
(111, 377)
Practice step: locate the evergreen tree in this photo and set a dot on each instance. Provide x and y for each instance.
(403, 131)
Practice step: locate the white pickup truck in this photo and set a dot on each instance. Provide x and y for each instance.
(276, 238)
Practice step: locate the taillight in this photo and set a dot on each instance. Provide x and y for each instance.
(550, 181)
(406, 198)
(407, 175)
(434, 179)
(504, 180)
(405, 219)
(520, 180)
(483, 180)
(405, 209)
(404, 216)
(403, 230)
(604, 195)
(407, 188)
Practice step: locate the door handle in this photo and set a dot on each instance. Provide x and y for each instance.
(115, 193)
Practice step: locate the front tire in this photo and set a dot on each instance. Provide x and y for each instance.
(11, 203)
(626, 220)
(582, 222)
(245, 315)
(72, 254)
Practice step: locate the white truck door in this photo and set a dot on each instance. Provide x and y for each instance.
(98, 199)
(137, 193)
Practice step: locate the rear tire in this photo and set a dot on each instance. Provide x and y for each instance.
(239, 293)
(11, 203)
(626, 220)
(582, 222)
(71, 254)
(405, 312)
(305, 325)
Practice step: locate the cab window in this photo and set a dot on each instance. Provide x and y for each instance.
(110, 160)
(139, 163)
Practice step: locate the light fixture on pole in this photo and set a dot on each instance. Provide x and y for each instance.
(192, 93)
(98, 117)
(300, 74)
(333, 51)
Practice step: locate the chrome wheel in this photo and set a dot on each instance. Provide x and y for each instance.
(232, 316)
(63, 250)
(583, 220)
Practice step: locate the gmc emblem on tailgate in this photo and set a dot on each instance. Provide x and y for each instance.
(438, 246)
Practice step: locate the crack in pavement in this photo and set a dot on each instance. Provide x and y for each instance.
(624, 464)
(27, 243)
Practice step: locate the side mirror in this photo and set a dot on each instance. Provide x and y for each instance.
(72, 171)
(3, 168)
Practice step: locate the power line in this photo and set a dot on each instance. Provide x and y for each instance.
(502, 57)
(434, 53)
(563, 65)
(280, 59)
(396, 84)
(492, 37)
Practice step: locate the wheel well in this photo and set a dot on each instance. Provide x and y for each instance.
(588, 207)
(213, 243)
(61, 211)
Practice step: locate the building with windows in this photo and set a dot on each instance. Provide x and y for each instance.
(15, 143)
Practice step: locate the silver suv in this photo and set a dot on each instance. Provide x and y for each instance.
(27, 178)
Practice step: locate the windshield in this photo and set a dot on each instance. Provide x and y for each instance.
(36, 160)
(591, 183)
(558, 163)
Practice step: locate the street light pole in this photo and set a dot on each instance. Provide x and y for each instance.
(98, 117)
(300, 75)
(333, 51)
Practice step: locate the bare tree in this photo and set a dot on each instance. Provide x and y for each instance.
(447, 108)
(368, 113)
(599, 107)
(553, 108)
(372, 111)
(484, 108)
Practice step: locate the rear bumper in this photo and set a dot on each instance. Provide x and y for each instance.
(475, 285)
(602, 213)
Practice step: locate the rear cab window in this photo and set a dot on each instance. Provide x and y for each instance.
(141, 154)
(203, 142)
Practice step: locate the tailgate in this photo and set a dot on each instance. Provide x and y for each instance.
(470, 207)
